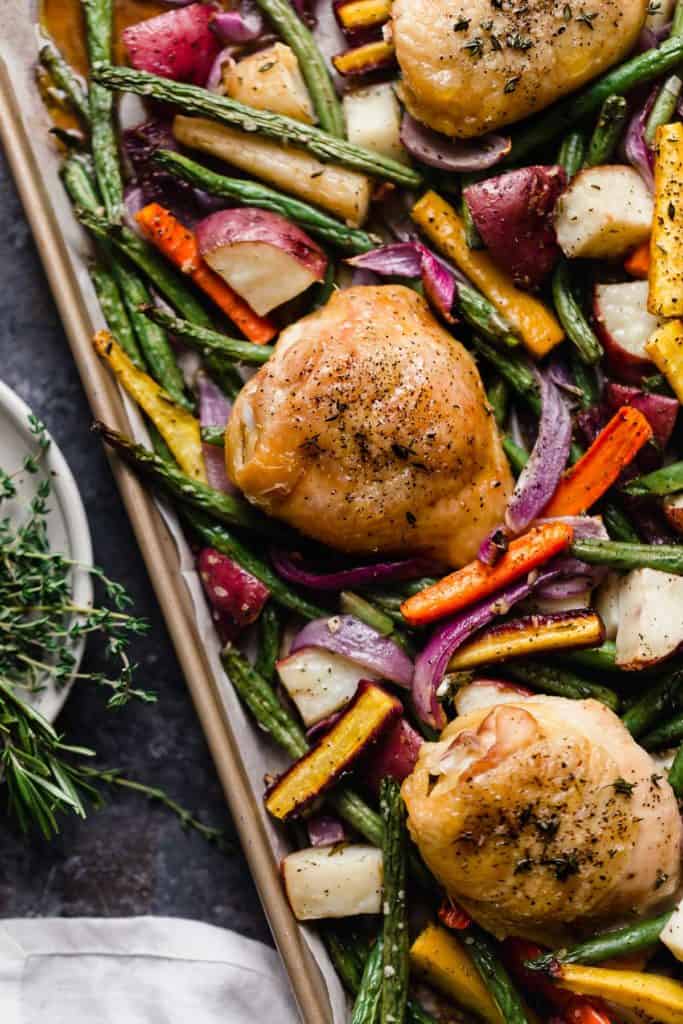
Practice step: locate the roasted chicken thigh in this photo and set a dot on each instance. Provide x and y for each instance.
(543, 816)
(472, 67)
(369, 430)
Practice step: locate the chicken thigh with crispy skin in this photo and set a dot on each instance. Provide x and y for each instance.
(368, 429)
(473, 66)
(543, 816)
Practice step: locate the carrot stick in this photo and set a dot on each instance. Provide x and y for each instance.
(614, 447)
(638, 263)
(476, 580)
(179, 245)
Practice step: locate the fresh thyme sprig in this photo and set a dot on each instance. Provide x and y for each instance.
(40, 626)
(40, 631)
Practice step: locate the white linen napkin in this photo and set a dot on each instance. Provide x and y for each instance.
(140, 970)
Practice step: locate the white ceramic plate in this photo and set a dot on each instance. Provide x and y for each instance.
(67, 523)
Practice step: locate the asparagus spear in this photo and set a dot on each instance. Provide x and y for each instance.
(64, 77)
(663, 697)
(213, 435)
(643, 68)
(224, 374)
(607, 131)
(195, 100)
(98, 27)
(498, 396)
(171, 286)
(622, 555)
(320, 224)
(395, 932)
(665, 735)
(483, 316)
(561, 682)
(261, 700)
(367, 1007)
(667, 480)
(571, 316)
(634, 938)
(220, 506)
(482, 949)
(515, 369)
(666, 102)
(517, 457)
(114, 311)
(572, 153)
(676, 774)
(311, 61)
(204, 339)
(268, 642)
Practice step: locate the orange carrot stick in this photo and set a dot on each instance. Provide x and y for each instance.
(179, 245)
(614, 447)
(638, 263)
(476, 580)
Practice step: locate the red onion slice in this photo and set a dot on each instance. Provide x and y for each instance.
(412, 259)
(325, 830)
(538, 480)
(636, 149)
(239, 26)
(353, 639)
(288, 567)
(214, 411)
(464, 155)
(432, 663)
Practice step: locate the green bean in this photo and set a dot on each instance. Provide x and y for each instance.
(224, 374)
(194, 99)
(156, 348)
(622, 555)
(368, 1004)
(596, 659)
(586, 380)
(643, 68)
(676, 774)
(483, 316)
(218, 537)
(213, 435)
(261, 700)
(205, 339)
(395, 933)
(98, 28)
(268, 642)
(498, 396)
(225, 508)
(666, 735)
(617, 523)
(361, 608)
(315, 221)
(661, 698)
(322, 291)
(311, 62)
(560, 682)
(570, 314)
(608, 131)
(64, 77)
(515, 369)
(572, 153)
(664, 107)
(668, 480)
(114, 311)
(517, 457)
(164, 279)
(483, 952)
(633, 938)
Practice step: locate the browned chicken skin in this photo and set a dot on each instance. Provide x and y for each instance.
(368, 430)
(473, 66)
(543, 816)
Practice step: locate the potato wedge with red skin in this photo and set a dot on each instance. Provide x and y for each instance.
(231, 590)
(673, 510)
(513, 213)
(659, 410)
(394, 754)
(265, 258)
(624, 325)
(177, 44)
